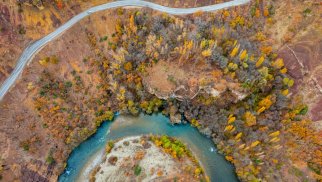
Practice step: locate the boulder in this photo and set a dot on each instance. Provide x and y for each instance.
(112, 160)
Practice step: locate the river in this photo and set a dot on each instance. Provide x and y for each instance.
(88, 153)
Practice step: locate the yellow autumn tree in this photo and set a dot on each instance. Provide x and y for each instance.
(195, 123)
(243, 55)
(254, 144)
(288, 82)
(275, 134)
(266, 102)
(283, 71)
(118, 28)
(128, 66)
(274, 140)
(238, 136)
(260, 36)
(279, 63)
(285, 92)
(266, 12)
(250, 119)
(231, 119)
(257, 13)
(230, 128)
(266, 50)
(260, 61)
(206, 53)
(225, 13)
(203, 43)
(234, 51)
(239, 20)
(261, 109)
(132, 25)
(229, 158)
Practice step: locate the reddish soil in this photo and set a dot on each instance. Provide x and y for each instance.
(20, 121)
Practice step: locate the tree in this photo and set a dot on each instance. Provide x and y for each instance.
(128, 66)
(50, 159)
(266, 50)
(265, 103)
(231, 119)
(132, 25)
(250, 119)
(238, 136)
(260, 61)
(243, 55)
(206, 53)
(234, 51)
(288, 82)
(254, 144)
(279, 63)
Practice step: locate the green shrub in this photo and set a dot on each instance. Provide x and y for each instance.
(137, 170)
(25, 146)
(314, 167)
(50, 159)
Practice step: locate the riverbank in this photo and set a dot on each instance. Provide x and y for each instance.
(57, 103)
(214, 164)
(102, 72)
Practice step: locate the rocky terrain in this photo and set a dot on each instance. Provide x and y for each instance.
(140, 159)
(66, 92)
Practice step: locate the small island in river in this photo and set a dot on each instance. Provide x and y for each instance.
(147, 158)
(238, 81)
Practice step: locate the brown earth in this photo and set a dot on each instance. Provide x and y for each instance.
(19, 120)
(20, 26)
(297, 37)
(304, 61)
(166, 79)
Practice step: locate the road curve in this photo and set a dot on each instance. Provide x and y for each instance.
(32, 49)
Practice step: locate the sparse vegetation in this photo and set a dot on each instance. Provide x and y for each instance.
(50, 159)
(109, 146)
(21, 29)
(177, 150)
(241, 126)
(25, 145)
(137, 170)
(243, 98)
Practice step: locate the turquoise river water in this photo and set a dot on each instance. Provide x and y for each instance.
(215, 165)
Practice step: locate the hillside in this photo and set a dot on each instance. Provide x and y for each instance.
(249, 77)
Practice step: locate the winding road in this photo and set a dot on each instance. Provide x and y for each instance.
(32, 49)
